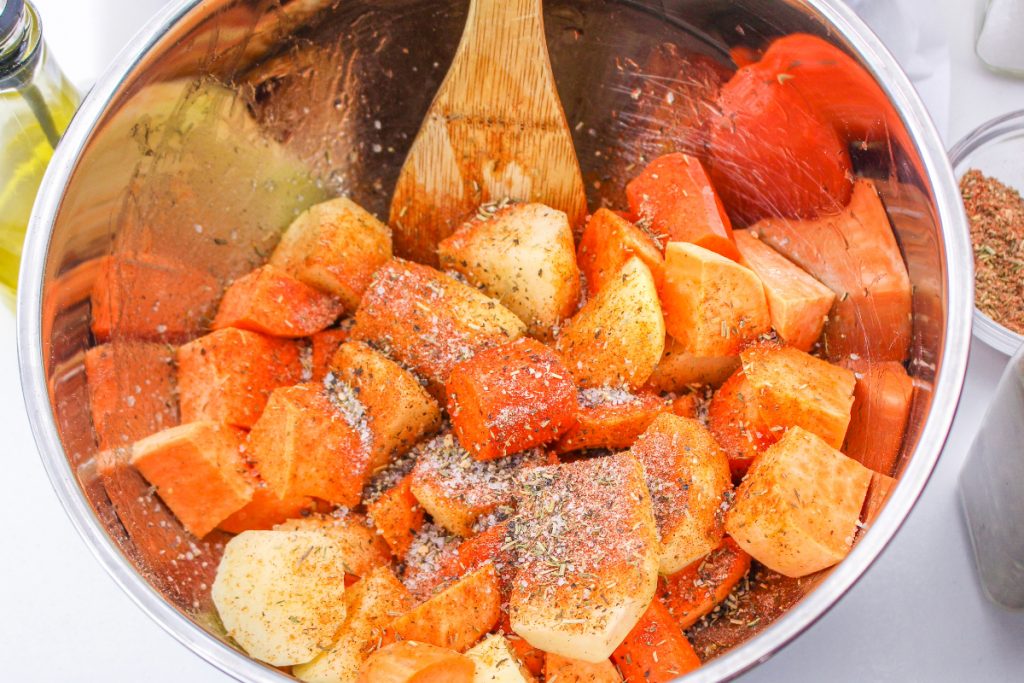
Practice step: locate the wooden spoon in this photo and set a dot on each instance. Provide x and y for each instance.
(495, 130)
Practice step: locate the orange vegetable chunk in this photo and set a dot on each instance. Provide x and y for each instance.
(656, 650)
(510, 398)
(877, 496)
(198, 470)
(734, 419)
(131, 391)
(397, 515)
(266, 509)
(881, 408)
(486, 546)
(413, 662)
(270, 301)
(608, 241)
(227, 375)
(611, 418)
(456, 617)
(679, 370)
(675, 197)
(797, 510)
(794, 389)
(695, 591)
(322, 347)
(712, 305)
(688, 476)
(853, 253)
(429, 322)
(310, 443)
(798, 303)
(566, 670)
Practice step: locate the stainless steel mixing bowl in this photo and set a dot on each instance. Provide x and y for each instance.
(223, 118)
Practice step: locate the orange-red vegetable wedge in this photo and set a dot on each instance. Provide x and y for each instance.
(655, 651)
(415, 662)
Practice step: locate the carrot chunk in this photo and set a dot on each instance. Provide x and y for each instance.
(415, 662)
(397, 515)
(679, 369)
(674, 196)
(608, 241)
(696, 590)
(227, 375)
(323, 345)
(485, 546)
(610, 418)
(881, 407)
(510, 398)
(567, 670)
(270, 301)
(735, 421)
(877, 496)
(198, 471)
(656, 650)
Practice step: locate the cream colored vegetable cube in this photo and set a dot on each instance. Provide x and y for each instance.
(496, 662)
(362, 548)
(797, 509)
(280, 594)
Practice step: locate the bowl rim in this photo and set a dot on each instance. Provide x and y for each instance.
(992, 333)
(948, 381)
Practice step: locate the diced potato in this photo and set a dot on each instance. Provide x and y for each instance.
(581, 585)
(735, 421)
(322, 347)
(797, 510)
(280, 594)
(608, 242)
(713, 305)
(198, 470)
(335, 246)
(698, 589)
(413, 662)
(131, 391)
(270, 301)
(523, 256)
(428, 322)
(679, 370)
(618, 337)
(881, 408)
(496, 662)
(795, 389)
(688, 477)
(455, 618)
(266, 509)
(227, 375)
(370, 604)
(510, 398)
(567, 670)
(397, 515)
(308, 443)
(798, 303)
(855, 254)
(398, 409)
(456, 489)
(611, 418)
(362, 549)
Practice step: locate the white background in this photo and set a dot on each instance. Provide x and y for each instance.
(917, 615)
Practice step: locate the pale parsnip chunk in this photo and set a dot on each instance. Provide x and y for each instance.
(496, 662)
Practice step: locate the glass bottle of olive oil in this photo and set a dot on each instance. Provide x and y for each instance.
(36, 104)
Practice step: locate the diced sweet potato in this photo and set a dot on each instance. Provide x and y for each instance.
(797, 510)
(655, 651)
(610, 418)
(486, 546)
(679, 370)
(270, 301)
(877, 496)
(608, 242)
(413, 662)
(361, 548)
(456, 617)
(698, 589)
(322, 347)
(227, 375)
(398, 409)
(602, 541)
(674, 196)
(618, 337)
(370, 604)
(309, 443)
(429, 322)
(198, 470)
(497, 662)
(686, 406)
(688, 477)
(266, 509)
(510, 398)
(335, 246)
(456, 489)
(713, 305)
(855, 254)
(524, 257)
(736, 423)
(567, 670)
(798, 303)
(131, 391)
(397, 515)
(150, 298)
(881, 407)
(795, 389)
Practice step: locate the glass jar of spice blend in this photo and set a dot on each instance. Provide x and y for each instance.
(36, 105)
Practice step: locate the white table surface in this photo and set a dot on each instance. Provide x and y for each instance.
(917, 615)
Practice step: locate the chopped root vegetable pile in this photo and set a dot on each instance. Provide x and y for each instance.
(600, 452)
